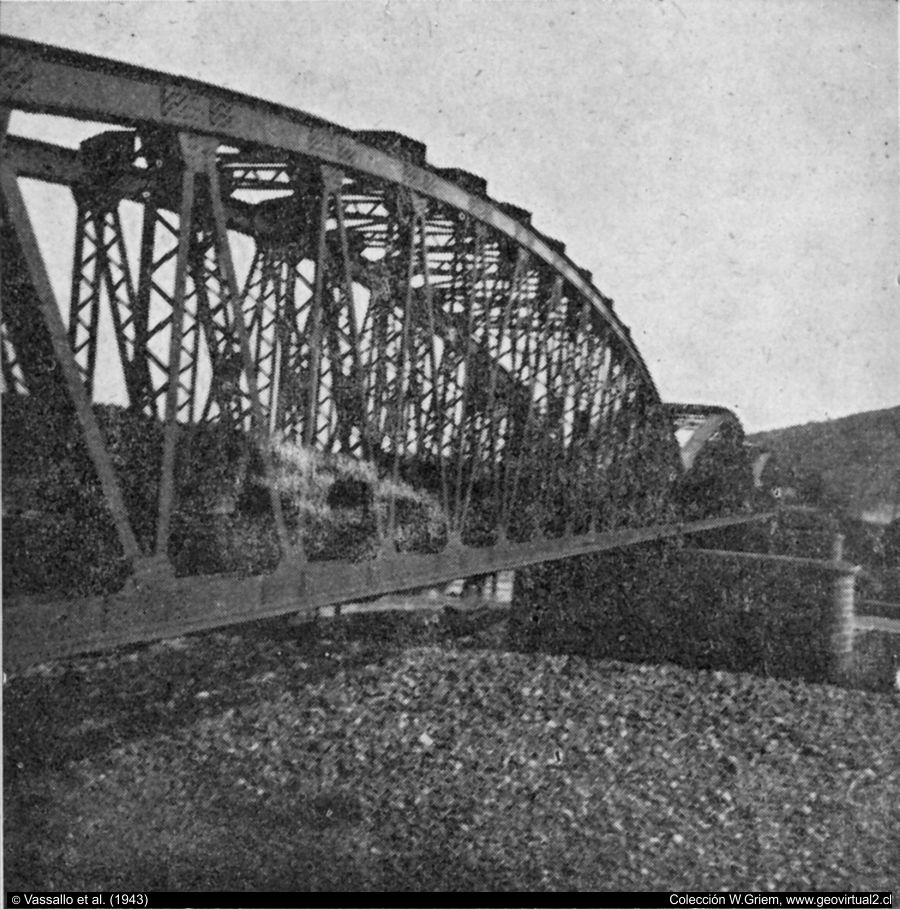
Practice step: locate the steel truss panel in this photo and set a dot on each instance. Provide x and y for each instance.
(390, 313)
(39, 78)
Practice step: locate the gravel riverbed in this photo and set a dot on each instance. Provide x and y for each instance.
(411, 753)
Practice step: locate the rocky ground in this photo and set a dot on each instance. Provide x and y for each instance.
(413, 752)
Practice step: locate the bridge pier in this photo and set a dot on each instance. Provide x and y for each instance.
(843, 616)
(772, 615)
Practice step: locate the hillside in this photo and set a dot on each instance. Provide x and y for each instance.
(857, 457)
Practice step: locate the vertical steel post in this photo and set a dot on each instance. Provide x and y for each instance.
(314, 326)
(400, 424)
(231, 291)
(170, 433)
(438, 404)
(475, 274)
(357, 379)
(491, 410)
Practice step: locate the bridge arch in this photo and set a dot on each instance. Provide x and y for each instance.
(276, 295)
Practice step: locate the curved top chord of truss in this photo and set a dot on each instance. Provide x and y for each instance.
(43, 79)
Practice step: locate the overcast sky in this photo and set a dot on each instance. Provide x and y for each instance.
(727, 170)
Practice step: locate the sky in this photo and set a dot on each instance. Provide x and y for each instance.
(727, 171)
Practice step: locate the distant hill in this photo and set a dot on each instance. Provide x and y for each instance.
(857, 458)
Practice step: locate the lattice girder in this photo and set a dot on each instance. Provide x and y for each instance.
(292, 278)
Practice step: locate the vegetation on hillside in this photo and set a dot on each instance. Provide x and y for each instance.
(852, 463)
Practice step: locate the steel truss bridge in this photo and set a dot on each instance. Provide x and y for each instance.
(386, 310)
